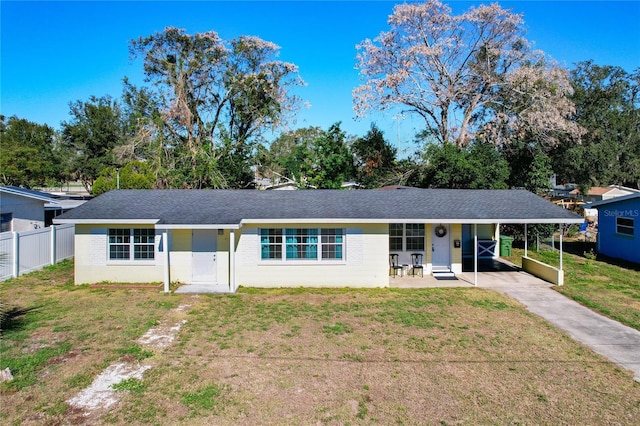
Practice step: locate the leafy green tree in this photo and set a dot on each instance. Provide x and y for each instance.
(530, 165)
(446, 167)
(608, 106)
(310, 157)
(375, 159)
(134, 175)
(29, 156)
(333, 163)
(95, 129)
(290, 156)
(489, 168)
(209, 103)
(476, 166)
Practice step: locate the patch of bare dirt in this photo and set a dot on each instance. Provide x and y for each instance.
(100, 396)
(62, 358)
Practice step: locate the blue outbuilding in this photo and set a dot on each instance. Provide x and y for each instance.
(619, 227)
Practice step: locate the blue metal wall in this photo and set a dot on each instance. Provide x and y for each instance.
(611, 243)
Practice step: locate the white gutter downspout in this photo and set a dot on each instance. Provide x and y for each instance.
(165, 240)
(475, 254)
(526, 239)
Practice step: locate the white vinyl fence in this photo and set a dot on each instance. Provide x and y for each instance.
(27, 251)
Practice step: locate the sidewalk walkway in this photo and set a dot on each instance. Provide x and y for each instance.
(609, 338)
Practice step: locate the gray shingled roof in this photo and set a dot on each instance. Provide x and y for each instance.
(232, 207)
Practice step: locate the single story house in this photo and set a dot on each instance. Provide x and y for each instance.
(601, 193)
(619, 227)
(222, 239)
(22, 209)
(62, 203)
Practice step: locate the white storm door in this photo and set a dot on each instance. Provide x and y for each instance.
(441, 255)
(204, 245)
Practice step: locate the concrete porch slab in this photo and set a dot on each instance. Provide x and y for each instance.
(202, 289)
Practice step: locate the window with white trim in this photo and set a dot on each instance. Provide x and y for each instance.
(123, 242)
(624, 225)
(302, 244)
(408, 236)
(396, 232)
(415, 236)
(332, 243)
(271, 243)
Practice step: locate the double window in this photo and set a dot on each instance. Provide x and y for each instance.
(409, 237)
(131, 244)
(624, 226)
(302, 244)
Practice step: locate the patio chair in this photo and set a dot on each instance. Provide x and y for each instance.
(416, 264)
(394, 265)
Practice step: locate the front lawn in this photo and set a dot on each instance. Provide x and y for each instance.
(304, 356)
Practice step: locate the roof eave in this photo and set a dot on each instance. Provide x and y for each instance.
(44, 198)
(470, 221)
(599, 203)
(106, 221)
(198, 226)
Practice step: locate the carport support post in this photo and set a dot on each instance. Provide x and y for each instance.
(526, 237)
(560, 247)
(475, 254)
(232, 260)
(165, 241)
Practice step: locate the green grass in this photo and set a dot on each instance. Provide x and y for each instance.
(316, 356)
(337, 329)
(136, 351)
(601, 285)
(206, 398)
(25, 369)
(70, 321)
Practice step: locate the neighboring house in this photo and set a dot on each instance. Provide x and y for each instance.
(22, 209)
(62, 204)
(221, 239)
(599, 193)
(619, 227)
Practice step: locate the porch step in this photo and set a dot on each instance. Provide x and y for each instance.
(203, 289)
(444, 276)
(443, 273)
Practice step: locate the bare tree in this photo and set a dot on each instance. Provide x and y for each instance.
(462, 72)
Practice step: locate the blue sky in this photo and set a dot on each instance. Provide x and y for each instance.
(53, 53)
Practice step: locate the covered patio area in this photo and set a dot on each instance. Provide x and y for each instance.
(493, 272)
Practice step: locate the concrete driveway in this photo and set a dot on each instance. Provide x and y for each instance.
(609, 338)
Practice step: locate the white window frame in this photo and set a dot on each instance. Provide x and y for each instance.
(326, 242)
(395, 238)
(415, 238)
(129, 242)
(405, 237)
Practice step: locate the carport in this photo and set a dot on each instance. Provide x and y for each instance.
(534, 267)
